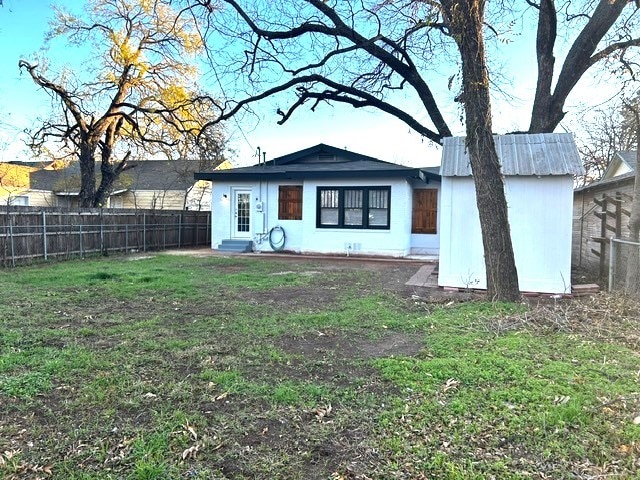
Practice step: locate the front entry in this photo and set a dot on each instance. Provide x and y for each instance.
(242, 214)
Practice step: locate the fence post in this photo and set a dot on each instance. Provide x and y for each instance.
(144, 232)
(179, 229)
(126, 238)
(44, 234)
(207, 234)
(611, 262)
(13, 247)
(81, 252)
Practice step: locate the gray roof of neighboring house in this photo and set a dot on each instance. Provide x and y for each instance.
(519, 154)
(320, 161)
(144, 175)
(608, 182)
(629, 157)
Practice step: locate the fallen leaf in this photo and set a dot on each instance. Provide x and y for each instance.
(451, 384)
(190, 452)
(191, 430)
(561, 399)
(322, 412)
(222, 396)
(636, 420)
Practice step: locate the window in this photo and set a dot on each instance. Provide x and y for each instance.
(290, 202)
(353, 207)
(425, 211)
(22, 200)
(116, 202)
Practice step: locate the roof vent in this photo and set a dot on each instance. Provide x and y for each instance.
(326, 157)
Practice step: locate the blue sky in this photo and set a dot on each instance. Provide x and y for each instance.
(23, 24)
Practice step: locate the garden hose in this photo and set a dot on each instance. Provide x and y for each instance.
(277, 238)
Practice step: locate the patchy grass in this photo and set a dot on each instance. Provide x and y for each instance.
(174, 367)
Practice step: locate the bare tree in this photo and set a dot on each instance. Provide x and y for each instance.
(141, 95)
(361, 53)
(610, 132)
(607, 31)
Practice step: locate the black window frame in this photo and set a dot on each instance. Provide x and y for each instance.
(365, 207)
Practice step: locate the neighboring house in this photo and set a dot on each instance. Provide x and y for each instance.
(199, 194)
(613, 193)
(326, 200)
(14, 182)
(150, 184)
(538, 172)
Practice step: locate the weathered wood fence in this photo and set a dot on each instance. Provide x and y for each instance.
(31, 233)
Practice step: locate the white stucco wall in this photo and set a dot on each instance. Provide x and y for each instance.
(303, 235)
(540, 215)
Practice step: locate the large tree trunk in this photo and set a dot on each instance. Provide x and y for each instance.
(87, 175)
(502, 276)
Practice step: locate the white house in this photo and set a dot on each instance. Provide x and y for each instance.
(538, 173)
(326, 200)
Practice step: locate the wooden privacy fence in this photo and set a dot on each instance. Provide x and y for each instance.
(29, 233)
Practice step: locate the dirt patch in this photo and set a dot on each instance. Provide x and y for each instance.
(340, 347)
(287, 299)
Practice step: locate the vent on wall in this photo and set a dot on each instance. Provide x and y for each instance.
(326, 157)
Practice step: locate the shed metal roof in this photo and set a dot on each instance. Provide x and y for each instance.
(519, 154)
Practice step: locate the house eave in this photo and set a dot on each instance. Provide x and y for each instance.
(606, 184)
(323, 175)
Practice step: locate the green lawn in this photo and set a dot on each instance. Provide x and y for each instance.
(172, 367)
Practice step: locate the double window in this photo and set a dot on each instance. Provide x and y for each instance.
(353, 207)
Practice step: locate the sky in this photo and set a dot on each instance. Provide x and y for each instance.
(23, 24)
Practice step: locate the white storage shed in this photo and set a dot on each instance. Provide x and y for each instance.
(538, 172)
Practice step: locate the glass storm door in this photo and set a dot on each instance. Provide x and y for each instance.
(242, 213)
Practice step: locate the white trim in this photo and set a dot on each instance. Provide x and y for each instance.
(235, 233)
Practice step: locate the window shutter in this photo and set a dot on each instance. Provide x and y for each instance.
(290, 202)
(425, 211)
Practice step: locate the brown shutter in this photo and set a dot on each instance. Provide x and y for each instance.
(290, 202)
(425, 211)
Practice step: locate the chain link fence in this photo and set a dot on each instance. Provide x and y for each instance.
(29, 234)
(624, 266)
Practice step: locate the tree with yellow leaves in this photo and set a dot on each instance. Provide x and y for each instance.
(141, 96)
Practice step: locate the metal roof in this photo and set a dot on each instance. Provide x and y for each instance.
(519, 154)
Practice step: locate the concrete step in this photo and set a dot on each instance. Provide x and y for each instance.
(238, 246)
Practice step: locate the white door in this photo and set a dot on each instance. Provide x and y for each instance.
(241, 214)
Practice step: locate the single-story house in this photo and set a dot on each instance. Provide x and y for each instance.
(14, 181)
(538, 172)
(149, 184)
(612, 193)
(326, 200)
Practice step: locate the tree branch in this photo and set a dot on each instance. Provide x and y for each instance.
(60, 91)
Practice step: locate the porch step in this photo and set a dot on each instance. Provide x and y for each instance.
(239, 246)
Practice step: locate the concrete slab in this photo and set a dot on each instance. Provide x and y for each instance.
(422, 278)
